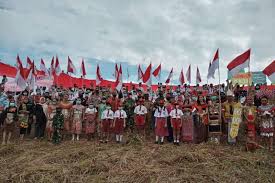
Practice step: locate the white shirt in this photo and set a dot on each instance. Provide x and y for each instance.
(176, 113)
(91, 111)
(161, 112)
(120, 114)
(107, 114)
(140, 110)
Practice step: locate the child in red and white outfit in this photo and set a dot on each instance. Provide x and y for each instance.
(176, 121)
(119, 123)
(140, 115)
(161, 115)
(90, 118)
(107, 118)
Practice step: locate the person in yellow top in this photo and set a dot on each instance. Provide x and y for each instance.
(228, 110)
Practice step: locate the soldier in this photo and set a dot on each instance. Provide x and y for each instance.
(129, 106)
(58, 126)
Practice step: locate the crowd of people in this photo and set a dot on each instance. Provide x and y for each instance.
(224, 113)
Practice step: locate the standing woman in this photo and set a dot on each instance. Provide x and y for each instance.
(187, 120)
(78, 116)
(41, 118)
(161, 115)
(90, 119)
(66, 107)
(266, 113)
(23, 115)
(51, 113)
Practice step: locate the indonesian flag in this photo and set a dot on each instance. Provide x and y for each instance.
(157, 72)
(29, 63)
(208, 74)
(118, 82)
(188, 74)
(31, 76)
(19, 78)
(99, 78)
(239, 63)
(198, 77)
(214, 65)
(116, 71)
(169, 77)
(43, 68)
(181, 78)
(140, 73)
(147, 74)
(270, 71)
(71, 68)
(57, 68)
(82, 69)
(52, 70)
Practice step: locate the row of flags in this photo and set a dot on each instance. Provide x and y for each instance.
(27, 76)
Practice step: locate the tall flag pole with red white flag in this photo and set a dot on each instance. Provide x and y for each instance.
(52, 69)
(99, 78)
(19, 78)
(29, 63)
(140, 73)
(31, 76)
(240, 62)
(188, 74)
(116, 70)
(198, 76)
(213, 66)
(269, 71)
(181, 78)
(147, 75)
(83, 69)
(71, 68)
(43, 67)
(157, 72)
(208, 74)
(119, 81)
(57, 68)
(169, 78)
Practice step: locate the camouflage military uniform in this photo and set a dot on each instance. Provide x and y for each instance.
(129, 106)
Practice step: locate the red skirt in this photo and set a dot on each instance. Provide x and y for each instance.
(118, 129)
(160, 129)
(106, 125)
(176, 123)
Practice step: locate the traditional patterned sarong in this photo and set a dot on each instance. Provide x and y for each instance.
(187, 128)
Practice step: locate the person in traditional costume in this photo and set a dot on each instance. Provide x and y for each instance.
(107, 118)
(187, 120)
(250, 112)
(119, 123)
(40, 118)
(77, 118)
(149, 116)
(23, 117)
(66, 107)
(176, 122)
(266, 120)
(129, 107)
(161, 115)
(51, 113)
(4, 103)
(90, 119)
(10, 119)
(58, 126)
(214, 121)
(114, 101)
(228, 110)
(140, 117)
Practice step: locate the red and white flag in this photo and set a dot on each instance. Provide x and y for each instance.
(214, 65)
(140, 73)
(99, 78)
(240, 62)
(119, 82)
(52, 69)
(83, 69)
(198, 76)
(29, 63)
(181, 78)
(116, 71)
(31, 76)
(57, 69)
(43, 68)
(157, 72)
(188, 74)
(19, 78)
(209, 70)
(270, 71)
(169, 77)
(147, 74)
(70, 67)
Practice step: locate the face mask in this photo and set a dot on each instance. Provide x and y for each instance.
(108, 107)
(104, 101)
(91, 106)
(12, 104)
(78, 102)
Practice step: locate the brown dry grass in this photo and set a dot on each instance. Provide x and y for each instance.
(133, 162)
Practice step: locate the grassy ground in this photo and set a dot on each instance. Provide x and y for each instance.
(34, 161)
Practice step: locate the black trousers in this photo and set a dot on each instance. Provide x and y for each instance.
(170, 137)
(39, 129)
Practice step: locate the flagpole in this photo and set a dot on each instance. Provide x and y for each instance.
(220, 103)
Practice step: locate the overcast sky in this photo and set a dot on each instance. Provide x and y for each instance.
(174, 32)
